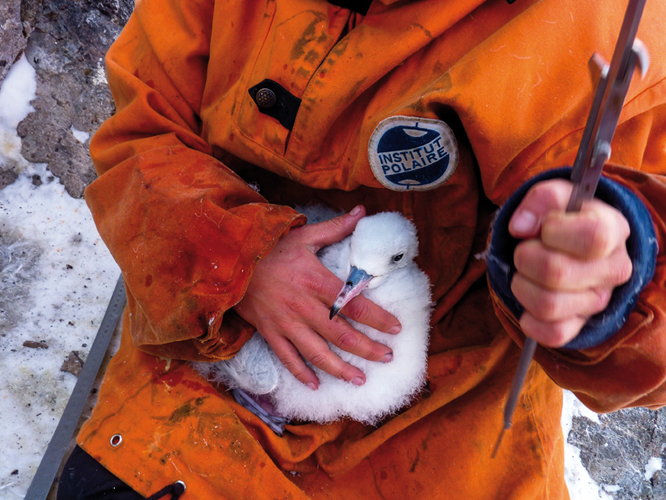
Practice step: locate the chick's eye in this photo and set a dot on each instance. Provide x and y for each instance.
(398, 258)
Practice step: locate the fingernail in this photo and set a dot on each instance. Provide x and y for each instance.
(524, 221)
(395, 329)
(388, 357)
(355, 210)
(312, 386)
(357, 381)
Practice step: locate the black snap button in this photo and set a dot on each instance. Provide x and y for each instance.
(274, 100)
(265, 98)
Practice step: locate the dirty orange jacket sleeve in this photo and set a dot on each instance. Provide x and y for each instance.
(628, 369)
(185, 230)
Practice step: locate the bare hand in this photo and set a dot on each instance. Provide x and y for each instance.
(289, 298)
(568, 264)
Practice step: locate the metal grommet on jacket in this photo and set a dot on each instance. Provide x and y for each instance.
(116, 440)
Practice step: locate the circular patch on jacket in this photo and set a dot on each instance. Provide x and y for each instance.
(407, 153)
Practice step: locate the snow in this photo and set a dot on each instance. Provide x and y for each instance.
(56, 278)
(653, 465)
(17, 91)
(54, 262)
(79, 135)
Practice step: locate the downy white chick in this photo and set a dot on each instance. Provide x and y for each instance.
(378, 261)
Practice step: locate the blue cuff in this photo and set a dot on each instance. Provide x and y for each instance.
(642, 248)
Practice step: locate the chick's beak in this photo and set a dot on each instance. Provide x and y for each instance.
(355, 283)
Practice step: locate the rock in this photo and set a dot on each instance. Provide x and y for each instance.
(7, 177)
(66, 46)
(618, 450)
(12, 37)
(73, 364)
(33, 344)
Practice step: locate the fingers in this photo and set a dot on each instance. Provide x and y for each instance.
(541, 199)
(331, 231)
(303, 320)
(365, 311)
(311, 342)
(551, 334)
(568, 264)
(341, 334)
(593, 233)
(319, 354)
(557, 270)
(560, 294)
(288, 339)
(292, 361)
(308, 345)
(552, 305)
(326, 286)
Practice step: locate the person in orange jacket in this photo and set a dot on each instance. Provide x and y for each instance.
(229, 113)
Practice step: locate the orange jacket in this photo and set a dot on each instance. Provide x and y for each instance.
(173, 204)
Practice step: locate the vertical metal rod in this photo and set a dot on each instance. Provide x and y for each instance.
(518, 380)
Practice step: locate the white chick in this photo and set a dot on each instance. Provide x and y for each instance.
(377, 260)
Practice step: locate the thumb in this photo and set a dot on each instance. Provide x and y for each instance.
(331, 231)
(543, 197)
